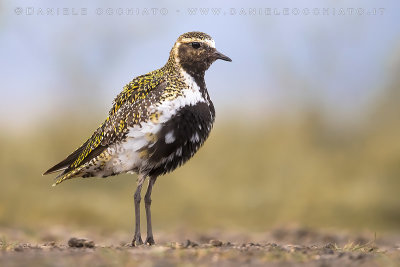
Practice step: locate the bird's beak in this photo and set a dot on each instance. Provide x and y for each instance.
(219, 55)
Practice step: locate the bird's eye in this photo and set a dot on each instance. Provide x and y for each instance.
(196, 45)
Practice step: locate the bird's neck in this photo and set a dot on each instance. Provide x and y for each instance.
(198, 77)
(188, 76)
(177, 70)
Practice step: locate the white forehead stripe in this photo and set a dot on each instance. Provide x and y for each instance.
(210, 43)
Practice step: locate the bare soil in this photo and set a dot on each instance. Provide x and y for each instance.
(280, 247)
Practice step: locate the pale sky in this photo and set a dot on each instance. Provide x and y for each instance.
(81, 60)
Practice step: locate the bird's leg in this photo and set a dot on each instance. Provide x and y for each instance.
(147, 203)
(137, 239)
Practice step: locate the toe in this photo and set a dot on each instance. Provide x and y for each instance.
(150, 241)
(137, 241)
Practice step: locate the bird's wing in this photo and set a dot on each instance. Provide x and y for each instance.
(109, 131)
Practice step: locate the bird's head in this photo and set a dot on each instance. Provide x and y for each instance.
(195, 52)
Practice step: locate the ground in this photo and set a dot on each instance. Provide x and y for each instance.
(59, 246)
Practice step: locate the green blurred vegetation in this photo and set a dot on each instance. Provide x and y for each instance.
(250, 175)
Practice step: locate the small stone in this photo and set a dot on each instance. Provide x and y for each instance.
(50, 244)
(80, 243)
(330, 246)
(18, 248)
(216, 243)
(190, 244)
(176, 245)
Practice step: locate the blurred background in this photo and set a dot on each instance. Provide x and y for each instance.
(308, 118)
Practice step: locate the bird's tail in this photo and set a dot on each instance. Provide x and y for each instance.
(65, 176)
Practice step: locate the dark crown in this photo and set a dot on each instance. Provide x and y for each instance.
(195, 35)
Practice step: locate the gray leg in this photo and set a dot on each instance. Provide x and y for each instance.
(137, 239)
(147, 202)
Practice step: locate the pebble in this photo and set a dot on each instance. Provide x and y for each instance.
(190, 244)
(176, 245)
(216, 243)
(80, 243)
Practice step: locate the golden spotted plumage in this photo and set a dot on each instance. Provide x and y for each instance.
(115, 125)
(156, 124)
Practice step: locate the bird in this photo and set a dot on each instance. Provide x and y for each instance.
(156, 124)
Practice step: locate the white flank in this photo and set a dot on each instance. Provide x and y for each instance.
(179, 152)
(195, 138)
(169, 137)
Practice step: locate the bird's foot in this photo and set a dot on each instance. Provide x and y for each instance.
(149, 241)
(137, 241)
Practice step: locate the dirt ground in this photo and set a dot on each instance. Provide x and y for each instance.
(281, 247)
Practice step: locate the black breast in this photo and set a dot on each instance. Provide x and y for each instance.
(180, 138)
